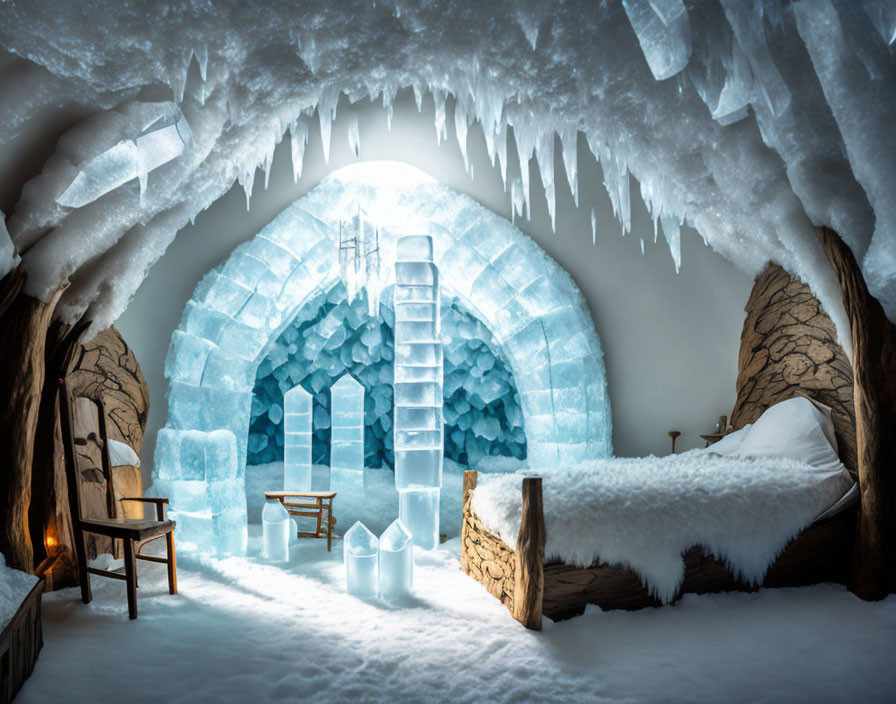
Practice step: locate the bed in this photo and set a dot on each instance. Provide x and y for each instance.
(771, 506)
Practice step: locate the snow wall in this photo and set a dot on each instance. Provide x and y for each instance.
(536, 315)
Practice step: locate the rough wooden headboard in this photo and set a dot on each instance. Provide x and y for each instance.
(789, 348)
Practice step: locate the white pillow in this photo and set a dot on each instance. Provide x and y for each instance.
(121, 455)
(730, 444)
(798, 428)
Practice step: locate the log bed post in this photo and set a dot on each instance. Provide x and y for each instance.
(528, 590)
(874, 388)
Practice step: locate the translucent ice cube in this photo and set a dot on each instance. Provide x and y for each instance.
(396, 561)
(275, 525)
(360, 550)
(419, 511)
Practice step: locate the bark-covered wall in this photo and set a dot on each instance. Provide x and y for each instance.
(789, 348)
(105, 369)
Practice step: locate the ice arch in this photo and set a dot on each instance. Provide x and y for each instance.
(533, 308)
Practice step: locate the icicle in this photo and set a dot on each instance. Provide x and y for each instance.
(354, 136)
(672, 231)
(568, 141)
(517, 197)
(268, 161)
(593, 226)
(544, 154)
(525, 146)
(418, 96)
(617, 184)
(389, 93)
(177, 81)
(642, 246)
(461, 125)
(326, 111)
(490, 145)
(439, 98)
(247, 180)
(298, 137)
(202, 60)
(502, 155)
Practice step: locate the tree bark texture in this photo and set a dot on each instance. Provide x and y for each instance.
(22, 347)
(789, 348)
(874, 372)
(528, 589)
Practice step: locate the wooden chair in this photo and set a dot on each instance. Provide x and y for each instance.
(86, 447)
(297, 503)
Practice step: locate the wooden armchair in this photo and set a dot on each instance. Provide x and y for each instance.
(87, 454)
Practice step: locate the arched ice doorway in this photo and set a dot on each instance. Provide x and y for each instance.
(530, 304)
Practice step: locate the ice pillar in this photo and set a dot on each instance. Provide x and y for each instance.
(347, 434)
(418, 389)
(297, 440)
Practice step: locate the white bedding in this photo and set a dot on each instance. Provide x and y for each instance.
(643, 513)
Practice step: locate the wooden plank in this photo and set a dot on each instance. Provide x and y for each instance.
(529, 558)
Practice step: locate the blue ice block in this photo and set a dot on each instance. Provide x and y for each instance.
(360, 553)
(275, 527)
(297, 405)
(418, 509)
(347, 423)
(396, 562)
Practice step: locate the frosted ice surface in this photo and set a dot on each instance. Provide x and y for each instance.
(418, 509)
(297, 404)
(396, 561)
(360, 550)
(130, 159)
(276, 528)
(664, 33)
(8, 256)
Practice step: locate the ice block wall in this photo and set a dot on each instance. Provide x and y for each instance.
(346, 433)
(297, 440)
(419, 440)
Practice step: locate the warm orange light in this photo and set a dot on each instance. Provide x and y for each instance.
(51, 542)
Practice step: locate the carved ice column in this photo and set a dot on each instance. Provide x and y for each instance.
(347, 434)
(297, 440)
(418, 389)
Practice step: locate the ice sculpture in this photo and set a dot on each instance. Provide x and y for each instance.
(396, 561)
(359, 551)
(297, 440)
(165, 135)
(418, 389)
(346, 433)
(276, 526)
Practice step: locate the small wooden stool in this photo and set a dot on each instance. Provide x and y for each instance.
(318, 503)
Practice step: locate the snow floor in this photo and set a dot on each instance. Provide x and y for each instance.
(244, 631)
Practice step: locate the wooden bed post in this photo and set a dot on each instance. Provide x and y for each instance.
(470, 479)
(528, 589)
(874, 372)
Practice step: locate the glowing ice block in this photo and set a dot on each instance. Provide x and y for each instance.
(396, 562)
(418, 509)
(276, 527)
(297, 440)
(359, 551)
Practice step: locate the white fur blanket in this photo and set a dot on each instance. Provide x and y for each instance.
(644, 513)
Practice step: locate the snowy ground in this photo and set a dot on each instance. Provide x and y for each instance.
(244, 631)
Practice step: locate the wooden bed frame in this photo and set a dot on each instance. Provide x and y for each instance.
(529, 586)
(785, 326)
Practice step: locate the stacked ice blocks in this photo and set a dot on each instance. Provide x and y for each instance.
(199, 474)
(297, 440)
(346, 434)
(418, 389)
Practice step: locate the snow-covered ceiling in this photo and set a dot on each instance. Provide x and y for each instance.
(751, 120)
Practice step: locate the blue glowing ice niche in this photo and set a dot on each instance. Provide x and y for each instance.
(332, 336)
(523, 371)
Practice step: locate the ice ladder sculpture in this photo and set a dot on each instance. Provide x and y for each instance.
(346, 434)
(297, 440)
(418, 420)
